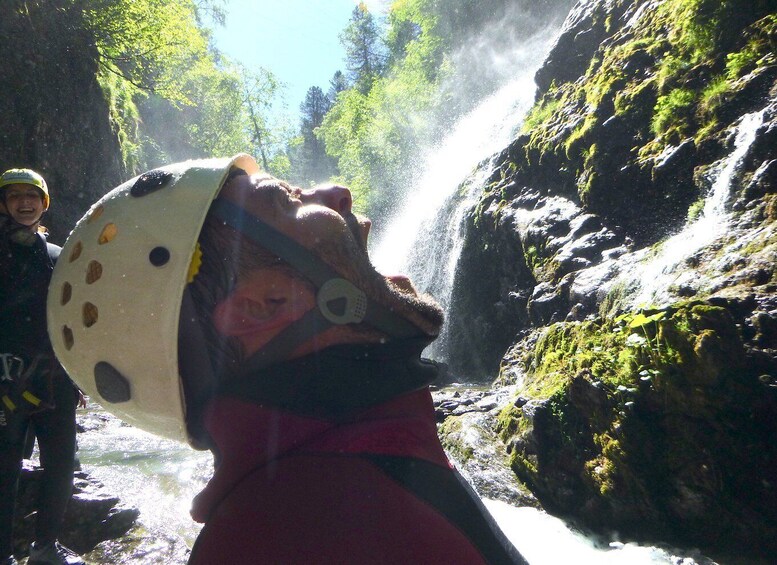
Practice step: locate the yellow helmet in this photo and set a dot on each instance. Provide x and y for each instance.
(26, 176)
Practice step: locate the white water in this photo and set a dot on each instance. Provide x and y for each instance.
(654, 276)
(424, 238)
(545, 540)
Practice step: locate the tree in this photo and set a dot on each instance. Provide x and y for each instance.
(256, 87)
(146, 42)
(375, 134)
(337, 84)
(364, 51)
(312, 163)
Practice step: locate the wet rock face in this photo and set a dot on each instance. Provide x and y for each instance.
(488, 303)
(658, 426)
(92, 516)
(584, 30)
(53, 113)
(467, 421)
(641, 413)
(627, 141)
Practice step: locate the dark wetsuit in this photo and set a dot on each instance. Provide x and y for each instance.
(28, 360)
(319, 462)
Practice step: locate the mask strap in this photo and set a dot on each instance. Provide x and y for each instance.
(339, 301)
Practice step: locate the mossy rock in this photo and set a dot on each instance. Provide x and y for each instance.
(652, 424)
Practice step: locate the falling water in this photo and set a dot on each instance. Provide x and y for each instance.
(424, 239)
(658, 274)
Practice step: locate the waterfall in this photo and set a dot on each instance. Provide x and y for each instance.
(654, 276)
(424, 238)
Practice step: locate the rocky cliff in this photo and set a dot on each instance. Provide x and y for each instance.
(629, 239)
(53, 115)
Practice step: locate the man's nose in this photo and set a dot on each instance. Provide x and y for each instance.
(333, 196)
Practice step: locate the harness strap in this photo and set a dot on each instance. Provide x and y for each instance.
(451, 495)
(9, 403)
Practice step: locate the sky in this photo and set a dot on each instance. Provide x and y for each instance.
(297, 40)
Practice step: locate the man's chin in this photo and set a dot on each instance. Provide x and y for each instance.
(421, 309)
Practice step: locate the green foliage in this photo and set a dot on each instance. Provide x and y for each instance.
(759, 51)
(124, 117)
(372, 132)
(219, 130)
(364, 51)
(341, 131)
(171, 96)
(146, 42)
(311, 163)
(673, 111)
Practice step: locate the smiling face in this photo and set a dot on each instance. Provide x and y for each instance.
(24, 203)
(321, 220)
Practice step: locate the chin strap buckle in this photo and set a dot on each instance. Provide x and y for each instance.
(341, 302)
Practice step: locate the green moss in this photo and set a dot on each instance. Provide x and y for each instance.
(619, 351)
(673, 112)
(603, 469)
(590, 376)
(124, 116)
(450, 435)
(695, 210)
(697, 55)
(542, 110)
(759, 50)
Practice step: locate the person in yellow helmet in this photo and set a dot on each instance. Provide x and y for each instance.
(34, 389)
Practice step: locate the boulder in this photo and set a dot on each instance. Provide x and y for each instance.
(93, 515)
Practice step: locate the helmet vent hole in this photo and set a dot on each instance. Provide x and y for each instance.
(67, 337)
(159, 256)
(90, 314)
(109, 232)
(111, 384)
(150, 182)
(93, 272)
(75, 253)
(67, 293)
(94, 214)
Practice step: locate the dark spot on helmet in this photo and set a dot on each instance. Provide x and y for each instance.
(112, 386)
(159, 256)
(149, 182)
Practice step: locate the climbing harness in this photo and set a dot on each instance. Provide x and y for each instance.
(16, 382)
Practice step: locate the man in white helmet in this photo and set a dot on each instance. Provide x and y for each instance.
(295, 363)
(34, 390)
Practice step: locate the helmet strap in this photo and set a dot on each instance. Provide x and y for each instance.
(195, 366)
(338, 300)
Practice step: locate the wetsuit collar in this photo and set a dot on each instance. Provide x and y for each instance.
(338, 382)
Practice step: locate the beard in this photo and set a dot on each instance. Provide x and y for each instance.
(350, 258)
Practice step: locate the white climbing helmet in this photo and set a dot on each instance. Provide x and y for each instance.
(115, 296)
